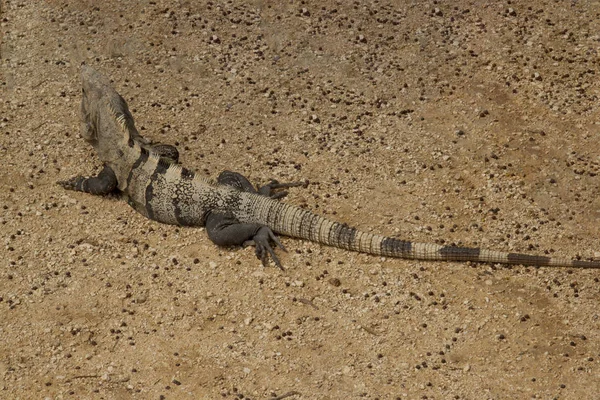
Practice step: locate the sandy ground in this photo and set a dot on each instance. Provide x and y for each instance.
(453, 122)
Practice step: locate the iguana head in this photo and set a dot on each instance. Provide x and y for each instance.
(105, 118)
(88, 129)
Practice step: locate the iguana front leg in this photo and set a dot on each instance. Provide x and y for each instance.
(226, 230)
(104, 183)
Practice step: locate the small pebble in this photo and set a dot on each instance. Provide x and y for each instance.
(335, 282)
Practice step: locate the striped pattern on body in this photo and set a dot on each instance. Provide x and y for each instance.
(297, 222)
(153, 185)
(168, 193)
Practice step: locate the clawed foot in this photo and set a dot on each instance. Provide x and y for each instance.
(262, 240)
(71, 184)
(240, 182)
(270, 189)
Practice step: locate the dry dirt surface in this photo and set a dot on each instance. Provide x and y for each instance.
(464, 122)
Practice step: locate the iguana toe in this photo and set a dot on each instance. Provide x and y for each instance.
(270, 188)
(262, 240)
(70, 184)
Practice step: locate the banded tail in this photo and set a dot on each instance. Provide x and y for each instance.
(297, 222)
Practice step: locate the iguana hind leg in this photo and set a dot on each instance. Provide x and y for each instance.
(236, 180)
(167, 151)
(226, 230)
(240, 182)
(270, 188)
(104, 183)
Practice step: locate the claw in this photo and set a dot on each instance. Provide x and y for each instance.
(269, 189)
(275, 239)
(70, 184)
(263, 250)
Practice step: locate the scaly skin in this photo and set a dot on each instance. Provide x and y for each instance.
(232, 210)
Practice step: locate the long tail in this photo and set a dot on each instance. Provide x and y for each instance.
(297, 222)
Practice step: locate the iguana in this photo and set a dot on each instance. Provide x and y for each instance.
(232, 210)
